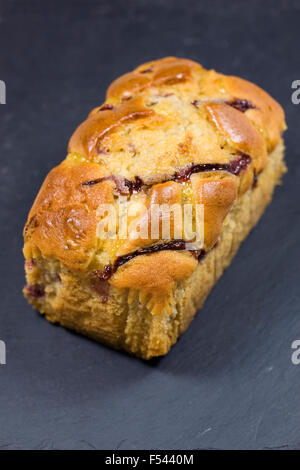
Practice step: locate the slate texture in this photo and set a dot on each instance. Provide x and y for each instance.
(229, 383)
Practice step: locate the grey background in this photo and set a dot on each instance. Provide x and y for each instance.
(229, 382)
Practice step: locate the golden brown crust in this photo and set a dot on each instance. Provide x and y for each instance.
(267, 115)
(100, 123)
(217, 196)
(62, 222)
(167, 71)
(140, 274)
(169, 193)
(128, 99)
(239, 131)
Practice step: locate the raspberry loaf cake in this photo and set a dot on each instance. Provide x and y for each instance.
(168, 132)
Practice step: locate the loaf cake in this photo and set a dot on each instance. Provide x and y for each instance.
(170, 132)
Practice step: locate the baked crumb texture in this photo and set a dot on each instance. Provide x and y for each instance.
(168, 132)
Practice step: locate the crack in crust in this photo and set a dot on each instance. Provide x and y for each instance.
(125, 186)
(174, 245)
(241, 105)
(235, 167)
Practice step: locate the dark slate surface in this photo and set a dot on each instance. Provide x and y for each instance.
(229, 382)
